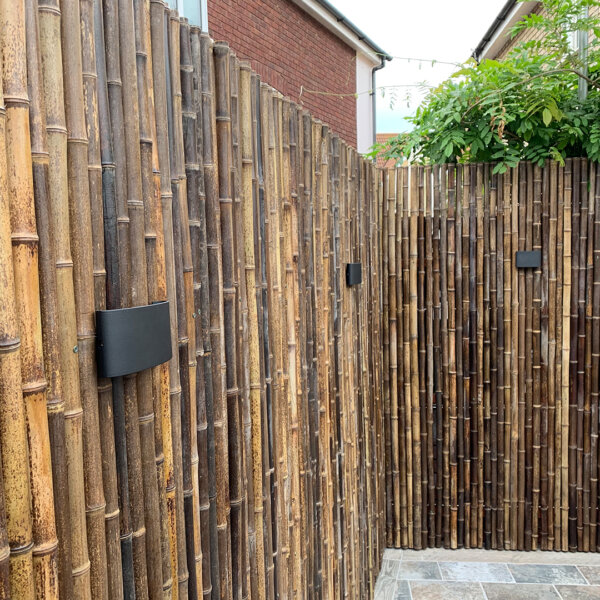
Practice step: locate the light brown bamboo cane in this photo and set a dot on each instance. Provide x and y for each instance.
(50, 49)
(105, 398)
(158, 293)
(253, 335)
(171, 442)
(49, 392)
(81, 233)
(5, 560)
(566, 350)
(13, 433)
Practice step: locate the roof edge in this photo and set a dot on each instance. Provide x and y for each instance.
(510, 14)
(337, 23)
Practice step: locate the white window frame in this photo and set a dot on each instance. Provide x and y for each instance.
(203, 11)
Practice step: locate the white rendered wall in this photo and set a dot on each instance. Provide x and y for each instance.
(365, 135)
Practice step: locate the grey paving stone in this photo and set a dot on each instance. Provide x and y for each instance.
(520, 591)
(591, 573)
(475, 571)
(402, 591)
(416, 569)
(389, 568)
(579, 592)
(447, 590)
(393, 554)
(552, 574)
(385, 588)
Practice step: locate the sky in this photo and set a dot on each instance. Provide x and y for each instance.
(442, 30)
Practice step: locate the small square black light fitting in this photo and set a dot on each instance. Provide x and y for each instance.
(529, 260)
(353, 274)
(129, 340)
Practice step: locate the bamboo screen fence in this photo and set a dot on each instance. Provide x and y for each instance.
(140, 162)
(491, 373)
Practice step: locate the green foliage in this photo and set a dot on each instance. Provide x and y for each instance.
(525, 107)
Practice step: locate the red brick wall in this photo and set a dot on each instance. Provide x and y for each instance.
(290, 49)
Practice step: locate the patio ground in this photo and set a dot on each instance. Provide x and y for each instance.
(438, 574)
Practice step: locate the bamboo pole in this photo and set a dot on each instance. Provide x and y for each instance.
(118, 259)
(49, 390)
(171, 442)
(215, 270)
(50, 49)
(188, 139)
(13, 427)
(105, 398)
(158, 292)
(81, 234)
(206, 447)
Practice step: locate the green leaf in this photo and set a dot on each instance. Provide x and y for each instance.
(547, 116)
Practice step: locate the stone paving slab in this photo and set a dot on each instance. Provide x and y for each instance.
(438, 574)
(448, 590)
(476, 571)
(521, 591)
(551, 574)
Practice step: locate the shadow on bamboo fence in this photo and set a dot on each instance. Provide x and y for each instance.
(140, 162)
(491, 372)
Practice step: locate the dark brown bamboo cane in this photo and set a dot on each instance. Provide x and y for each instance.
(445, 286)
(500, 357)
(105, 398)
(118, 259)
(206, 154)
(524, 395)
(595, 367)
(437, 354)
(126, 146)
(171, 442)
(223, 116)
(541, 228)
(587, 362)
(581, 359)
(215, 270)
(50, 48)
(187, 144)
(45, 540)
(387, 324)
(197, 213)
(429, 359)
(13, 427)
(577, 232)
(81, 246)
(538, 400)
(182, 417)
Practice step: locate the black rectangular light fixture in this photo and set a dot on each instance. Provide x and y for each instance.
(129, 340)
(531, 259)
(353, 274)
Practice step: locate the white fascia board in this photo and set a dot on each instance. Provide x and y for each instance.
(323, 16)
(500, 38)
